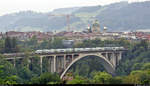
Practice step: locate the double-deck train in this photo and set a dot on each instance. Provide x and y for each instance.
(68, 50)
(76, 50)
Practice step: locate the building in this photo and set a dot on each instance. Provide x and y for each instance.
(96, 27)
(68, 43)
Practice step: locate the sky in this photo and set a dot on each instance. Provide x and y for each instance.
(11, 6)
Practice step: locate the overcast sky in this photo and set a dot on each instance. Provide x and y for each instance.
(9, 6)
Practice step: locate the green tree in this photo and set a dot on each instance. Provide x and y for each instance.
(14, 45)
(7, 72)
(137, 66)
(33, 43)
(8, 45)
(79, 80)
(145, 66)
(57, 43)
(46, 78)
(11, 80)
(7, 67)
(35, 65)
(2, 45)
(102, 78)
(25, 73)
(138, 77)
(116, 80)
(144, 44)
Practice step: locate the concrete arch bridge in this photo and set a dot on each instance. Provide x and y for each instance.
(62, 61)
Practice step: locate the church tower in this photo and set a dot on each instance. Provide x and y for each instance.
(96, 27)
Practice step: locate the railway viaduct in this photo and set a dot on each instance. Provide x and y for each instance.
(60, 62)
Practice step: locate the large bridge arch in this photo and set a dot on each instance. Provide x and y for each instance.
(107, 64)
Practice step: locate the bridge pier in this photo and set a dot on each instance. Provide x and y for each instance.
(114, 59)
(14, 62)
(119, 57)
(54, 63)
(106, 55)
(58, 63)
(110, 57)
(64, 62)
(41, 60)
(49, 63)
(72, 57)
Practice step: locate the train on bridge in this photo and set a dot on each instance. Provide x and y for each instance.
(69, 50)
(47, 51)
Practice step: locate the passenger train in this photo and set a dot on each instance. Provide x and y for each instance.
(76, 50)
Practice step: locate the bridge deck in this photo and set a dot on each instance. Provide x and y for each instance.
(80, 50)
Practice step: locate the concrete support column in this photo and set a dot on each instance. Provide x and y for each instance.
(119, 56)
(55, 63)
(41, 59)
(72, 58)
(111, 57)
(14, 62)
(52, 64)
(49, 64)
(28, 62)
(64, 62)
(58, 64)
(107, 55)
(114, 58)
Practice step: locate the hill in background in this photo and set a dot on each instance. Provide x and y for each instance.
(121, 16)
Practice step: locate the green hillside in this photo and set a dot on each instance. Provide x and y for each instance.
(118, 16)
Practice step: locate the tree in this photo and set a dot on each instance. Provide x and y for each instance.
(102, 78)
(46, 78)
(25, 73)
(116, 80)
(8, 45)
(33, 42)
(35, 65)
(14, 45)
(57, 43)
(11, 80)
(137, 66)
(79, 80)
(144, 44)
(44, 44)
(11, 45)
(7, 68)
(2, 45)
(145, 66)
(138, 77)
(7, 72)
